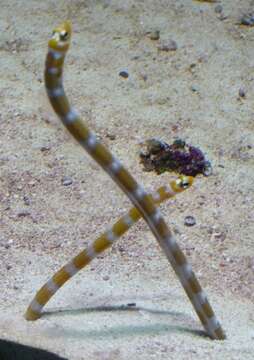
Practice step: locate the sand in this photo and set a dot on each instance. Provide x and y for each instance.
(190, 93)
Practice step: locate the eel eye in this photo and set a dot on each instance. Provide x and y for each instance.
(63, 35)
(185, 184)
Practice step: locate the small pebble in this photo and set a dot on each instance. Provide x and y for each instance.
(170, 45)
(154, 35)
(23, 213)
(121, 248)
(242, 92)
(111, 136)
(218, 9)
(124, 74)
(189, 220)
(248, 20)
(194, 88)
(8, 267)
(66, 181)
(27, 200)
(208, 170)
(45, 148)
(106, 277)
(192, 68)
(218, 236)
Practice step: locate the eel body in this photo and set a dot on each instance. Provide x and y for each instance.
(45, 293)
(58, 46)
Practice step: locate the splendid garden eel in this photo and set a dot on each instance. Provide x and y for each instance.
(99, 245)
(58, 46)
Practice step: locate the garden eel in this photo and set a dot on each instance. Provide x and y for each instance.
(99, 245)
(58, 46)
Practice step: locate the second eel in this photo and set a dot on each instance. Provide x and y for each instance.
(34, 311)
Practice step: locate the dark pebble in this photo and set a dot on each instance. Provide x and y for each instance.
(154, 35)
(189, 221)
(208, 170)
(45, 148)
(218, 9)
(111, 136)
(242, 93)
(23, 213)
(248, 20)
(27, 200)
(124, 74)
(66, 181)
(194, 88)
(121, 248)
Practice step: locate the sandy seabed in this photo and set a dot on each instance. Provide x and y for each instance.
(190, 93)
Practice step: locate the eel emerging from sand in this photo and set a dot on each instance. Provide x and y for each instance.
(45, 293)
(57, 48)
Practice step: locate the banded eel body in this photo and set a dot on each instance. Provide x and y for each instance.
(58, 46)
(98, 246)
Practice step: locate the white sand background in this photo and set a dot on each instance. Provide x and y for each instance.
(43, 223)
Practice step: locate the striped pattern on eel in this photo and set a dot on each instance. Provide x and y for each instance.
(103, 242)
(58, 45)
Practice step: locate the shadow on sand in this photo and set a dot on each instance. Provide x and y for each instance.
(126, 330)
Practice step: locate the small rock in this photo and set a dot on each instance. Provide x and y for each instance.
(8, 267)
(23, 213)
(154, 35)
(27, 200)
(106, 277)
(222, 17)
(208, 170)
(121, 248)
(248, 20)
(242, 92)
(194, 88)
(124, 74)
(170, 45)
(218, 9)
(192, 68)
(111, 136)
(189, 220)
(45, 148)
(66, 181)
(218, 236)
